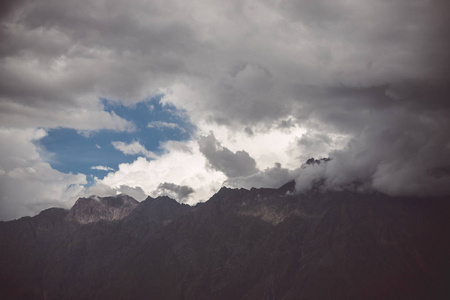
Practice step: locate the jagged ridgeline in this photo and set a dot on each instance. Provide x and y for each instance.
(241, 244)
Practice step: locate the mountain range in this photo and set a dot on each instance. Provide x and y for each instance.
(240, 244)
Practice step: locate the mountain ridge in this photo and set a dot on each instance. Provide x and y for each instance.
(240, 244)
(94, 208)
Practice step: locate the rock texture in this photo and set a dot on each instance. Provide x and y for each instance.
(241, 244)
(92, 209)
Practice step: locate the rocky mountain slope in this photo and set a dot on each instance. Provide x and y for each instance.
(241, 244)
(92, 209)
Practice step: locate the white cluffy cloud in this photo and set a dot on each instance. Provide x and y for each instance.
(134, 148)
(180, 165)
(102, 168)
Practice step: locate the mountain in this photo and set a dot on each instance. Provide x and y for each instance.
(92, 209)
(240, 244)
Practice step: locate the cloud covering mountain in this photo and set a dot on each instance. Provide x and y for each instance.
(276, 82)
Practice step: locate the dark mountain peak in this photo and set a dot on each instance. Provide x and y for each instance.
(164, 203)
(54, 212)
(228, 195)
(236, 196)
(288, 187)
(48, 220)
(165, 199)
(160, 200)
(224, 189)
(94, 208)
(222, 192)
(159, 210)
(147, 200)
(312, 161)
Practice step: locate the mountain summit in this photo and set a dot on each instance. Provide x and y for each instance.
(240, 244)
(94, 208)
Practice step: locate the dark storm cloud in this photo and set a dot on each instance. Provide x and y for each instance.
(315, 144)
(314, 13)
(370, 48)
(61, 56)
(222, 159)
(8, 6)
(398, 153)
(179, 192)
(142, 46)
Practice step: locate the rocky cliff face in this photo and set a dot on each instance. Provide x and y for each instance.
(241, 244)
(92, 209)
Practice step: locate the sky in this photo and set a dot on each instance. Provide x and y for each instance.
(180, 98)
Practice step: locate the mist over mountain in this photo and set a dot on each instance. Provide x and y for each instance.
(261, 243)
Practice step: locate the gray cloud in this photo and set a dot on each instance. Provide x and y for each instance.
(49, 49)
(273, 177)
(222, 159)
(297, 72)
(397, 153)
(102, 190)
(368, 46)
(314, 13)
(152, 44)
(180, 193)
(248, 131)
(28, 184)
(314, 144)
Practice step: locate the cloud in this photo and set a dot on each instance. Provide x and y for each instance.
(222, 159)
(162, 125)
(28, 184)
(398, 154)
(103, 190)
(102, 168)
(395, 153)
(176, 165)
(366, 83)
(134, 148)
(273, 177)
(349, 44)
(178, 192)
(215, 67)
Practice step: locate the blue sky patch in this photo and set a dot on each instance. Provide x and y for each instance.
(155, 123)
